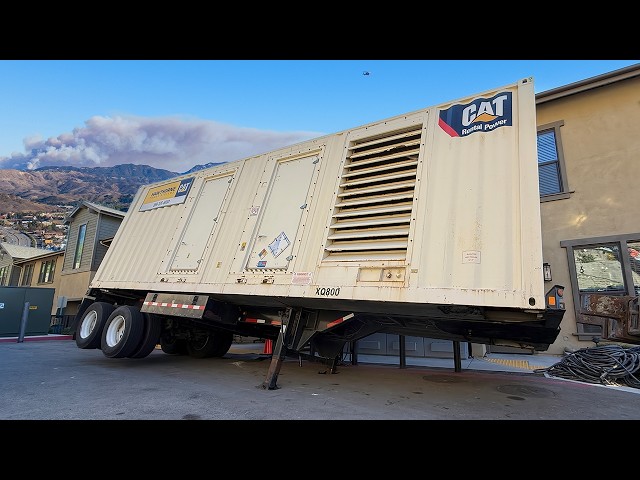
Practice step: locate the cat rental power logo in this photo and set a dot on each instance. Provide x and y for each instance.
(481, 115)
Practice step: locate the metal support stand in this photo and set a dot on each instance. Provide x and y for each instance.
(354, 352)
(403, 352)
(280, 349)
(23, 322)
(457, 362)
(334, 364)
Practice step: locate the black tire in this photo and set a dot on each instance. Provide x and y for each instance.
(212, 344)
(223, 341)
(122, 332)
(91, 323)
(150, 336)
(86, 303)
(173, 346)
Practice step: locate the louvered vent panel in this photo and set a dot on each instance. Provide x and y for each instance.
(372, 213)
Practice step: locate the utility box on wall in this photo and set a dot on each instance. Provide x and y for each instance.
(12, 303)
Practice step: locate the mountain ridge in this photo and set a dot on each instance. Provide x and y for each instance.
(54, 186)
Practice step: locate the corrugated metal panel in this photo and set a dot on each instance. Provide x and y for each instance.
(145, 240)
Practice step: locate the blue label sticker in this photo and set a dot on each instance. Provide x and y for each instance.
(262, 263)
(184, 187)
(481, 115)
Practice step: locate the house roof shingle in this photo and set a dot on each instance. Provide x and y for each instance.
(95, 207)
(47, 253)
(20, 252)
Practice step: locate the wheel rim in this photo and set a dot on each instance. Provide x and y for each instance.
(115, 331)
(88, 324)
(200, 343)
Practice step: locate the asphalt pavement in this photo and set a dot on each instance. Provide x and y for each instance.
(496, 362)
(56, 380)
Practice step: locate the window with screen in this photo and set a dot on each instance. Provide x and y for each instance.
(551, 170)
(27, 274)
(79, 246)
(46, 271)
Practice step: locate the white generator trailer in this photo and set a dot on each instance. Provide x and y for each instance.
(424, 224)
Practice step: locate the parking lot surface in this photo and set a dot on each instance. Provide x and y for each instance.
(55, 380)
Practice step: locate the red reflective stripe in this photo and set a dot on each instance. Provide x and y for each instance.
(339, 320)
(266, 322)
(335, 322)
(176, 305)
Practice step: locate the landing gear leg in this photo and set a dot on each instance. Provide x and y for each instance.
(280, 349)
(334, 364)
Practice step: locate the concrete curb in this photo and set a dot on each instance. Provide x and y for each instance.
(36, 338)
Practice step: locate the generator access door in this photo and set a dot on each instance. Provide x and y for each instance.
(281, 214)
(201, 225)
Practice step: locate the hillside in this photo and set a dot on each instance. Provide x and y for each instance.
(50, 186)
(13, 204)
(47, 189)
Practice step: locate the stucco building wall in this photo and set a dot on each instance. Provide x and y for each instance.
(601, 146)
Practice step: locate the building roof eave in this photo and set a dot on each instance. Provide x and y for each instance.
(588, 84)
(99, 209)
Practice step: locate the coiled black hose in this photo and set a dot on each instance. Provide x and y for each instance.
(602, 364)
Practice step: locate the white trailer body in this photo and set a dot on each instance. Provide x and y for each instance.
(426, 223)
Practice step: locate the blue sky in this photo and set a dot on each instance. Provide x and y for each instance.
(175, 114)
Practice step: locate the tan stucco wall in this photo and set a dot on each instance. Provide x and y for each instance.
(74, 287)
(56, 277)
(601, 144)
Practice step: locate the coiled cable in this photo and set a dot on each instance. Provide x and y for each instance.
(602, 364)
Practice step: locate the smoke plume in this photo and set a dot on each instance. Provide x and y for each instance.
(171, 143)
